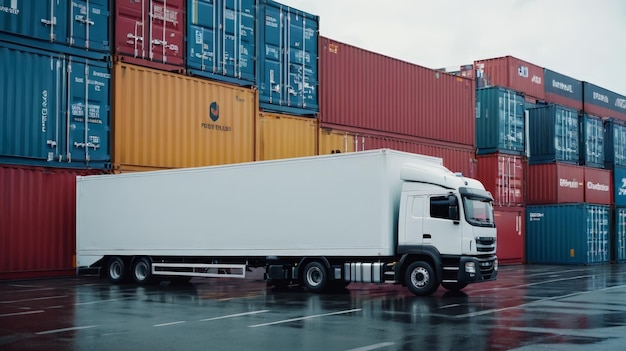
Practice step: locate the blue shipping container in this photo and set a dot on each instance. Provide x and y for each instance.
(500, 121)
(221, 40)
(618, 241)
(619, 185)
(604, 99)
(592, 141)
(567, 234)
(287, 59)
(54, 109)
(568, 89)
(77, 27)
(615, 143)
(553, 134)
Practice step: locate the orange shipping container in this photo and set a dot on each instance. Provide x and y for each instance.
(168, 120)
(284, 136)
(333, 141)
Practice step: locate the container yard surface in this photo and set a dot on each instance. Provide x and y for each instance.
(531, 307)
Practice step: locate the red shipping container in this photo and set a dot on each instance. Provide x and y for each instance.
(504, 176)
(512, 73)
(511, 235)
(598, 186)
(555, 183)
(150, 33)
(37, 221)
(363, 89)
(456, 157)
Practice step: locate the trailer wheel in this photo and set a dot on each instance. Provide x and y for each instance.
(142, 271)
(116, 270)
(454, 286)
(420, 278)
(315, 277)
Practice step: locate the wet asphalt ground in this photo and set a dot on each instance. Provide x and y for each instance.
(529, 307)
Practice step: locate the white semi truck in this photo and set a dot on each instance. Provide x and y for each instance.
(322, 222)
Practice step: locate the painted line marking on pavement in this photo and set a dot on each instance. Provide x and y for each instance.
(170, 323)
(36, 299)
(20, 313)
(304, 318)
(233, 315)
(34, 288)
(65, 329)
(373, 347)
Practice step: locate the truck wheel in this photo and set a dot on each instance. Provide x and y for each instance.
(116, 270)
(315, 277)
(454, 286)
(142, 271)
(420, 278)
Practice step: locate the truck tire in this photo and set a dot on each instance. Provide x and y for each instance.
(420, 278)
(456, 287)
(116, 270)
(142, 271)
(315, 277)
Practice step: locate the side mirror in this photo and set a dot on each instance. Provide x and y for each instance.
(453, 208)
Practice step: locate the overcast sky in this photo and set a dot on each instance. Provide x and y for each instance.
(584, 39)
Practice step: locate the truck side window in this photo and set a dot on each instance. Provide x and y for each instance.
(439, 207)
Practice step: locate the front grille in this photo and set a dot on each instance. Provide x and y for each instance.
(485, 244)
(486, 265)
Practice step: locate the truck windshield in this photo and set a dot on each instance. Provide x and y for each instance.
(478, 211)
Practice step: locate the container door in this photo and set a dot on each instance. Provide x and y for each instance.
(620, 235)
(88, 125)
(45, 21)
(593, 142)
(89, 24)
(511, 111)
(597, 234)
(510, 246)
(566, 135)
(619, 144)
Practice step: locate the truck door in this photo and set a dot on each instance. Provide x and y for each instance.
(414, 219)
(441, 226)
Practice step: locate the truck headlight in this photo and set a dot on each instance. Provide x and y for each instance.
(470, 267)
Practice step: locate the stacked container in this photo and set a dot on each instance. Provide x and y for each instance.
(54, 125)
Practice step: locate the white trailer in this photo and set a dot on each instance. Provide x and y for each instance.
(323, 221)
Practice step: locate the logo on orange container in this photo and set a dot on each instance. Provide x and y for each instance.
(214, 111)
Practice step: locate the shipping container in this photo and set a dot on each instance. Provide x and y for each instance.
(54, 109)
(37, 221)
(555, 183)
(335, 141)
(614, 143)
(221, 40)
(78, 27)
(151, 33)
(567, 234)
(619, 186)
(592, 141)
(456, 157)
(500, 121)
(504, 176)
(363, 89)
(510, 222)
(598, 186)
(603, 102)
(553, 133)
(618, 236)
(563, 90)
(287, 59)
(512, 73)
(283, 136)
(168, 120)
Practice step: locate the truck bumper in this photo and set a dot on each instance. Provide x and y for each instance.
(473, 269)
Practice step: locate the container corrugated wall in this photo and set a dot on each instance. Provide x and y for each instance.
(37, 221)
(598, 186)
(603, 102)
(512, 73)
(78, 27)
(555, 183)
(500, 121)
(619, 186)
(563, 90)
(510, 222)
(458, 158)
(43, 109)
(221, 40)
(553, 134)
(283, 136)
(287, 59)
(592, 141)
(618, 240)
(567, 234)
(167, 120)
(615, 143)
(504, 176)
(367, 90)
(335, 141)
(151, 33)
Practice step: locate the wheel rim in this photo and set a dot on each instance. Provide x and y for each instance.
(314, 276)
(115, 270)
(420, 277)
(141, 271)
